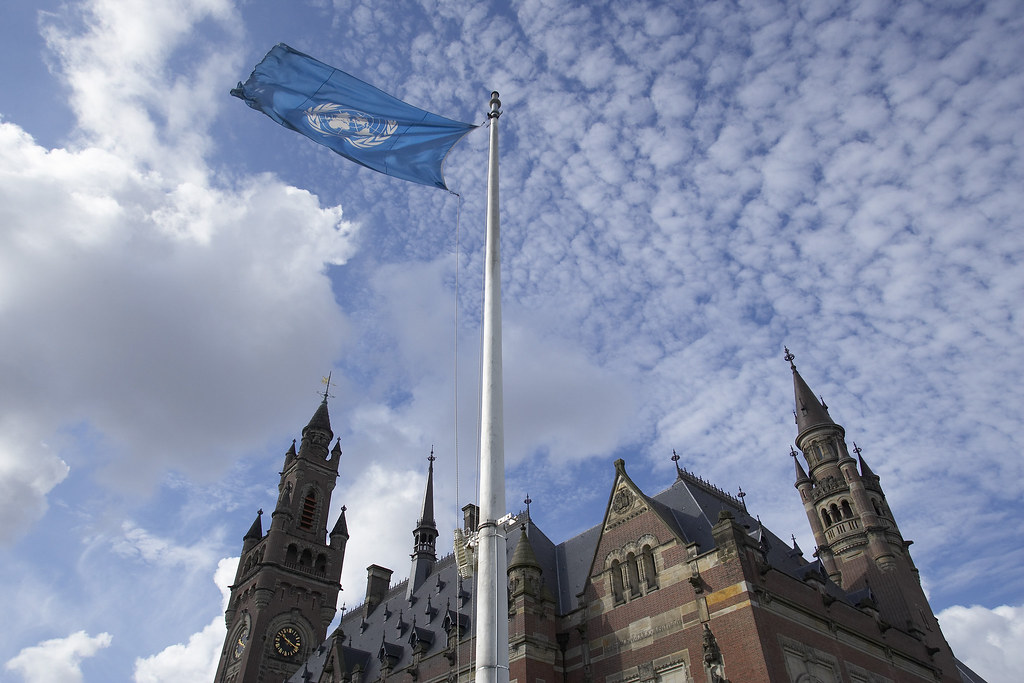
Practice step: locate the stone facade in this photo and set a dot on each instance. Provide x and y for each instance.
(286, 587)
(678, 587)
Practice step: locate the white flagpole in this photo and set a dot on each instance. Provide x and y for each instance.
(492, 582)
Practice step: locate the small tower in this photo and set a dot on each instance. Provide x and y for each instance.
(286, 588)
(424, 553)
(858, 541)
(533, 642)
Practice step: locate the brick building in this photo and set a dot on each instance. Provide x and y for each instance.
(683, 585)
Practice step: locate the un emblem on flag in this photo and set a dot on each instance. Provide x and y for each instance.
(359, 129)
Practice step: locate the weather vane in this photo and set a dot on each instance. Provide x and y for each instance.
(326, 381)
(789, 357)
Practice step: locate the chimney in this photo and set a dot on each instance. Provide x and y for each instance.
(471, 518)
(378, 580)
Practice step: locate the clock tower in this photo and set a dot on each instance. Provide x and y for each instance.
(286, 587)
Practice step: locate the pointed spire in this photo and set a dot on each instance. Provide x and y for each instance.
(425, 536)
(865, 471)
(523, 556)
(341, 526)
(801, 475)
(427, 511)
(321, 420)
(256, 530)
(810, 412)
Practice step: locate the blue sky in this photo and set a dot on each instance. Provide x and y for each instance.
(686, 188)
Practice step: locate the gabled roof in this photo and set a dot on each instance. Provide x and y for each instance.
(689, 508)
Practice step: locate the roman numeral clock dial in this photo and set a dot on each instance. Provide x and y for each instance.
(287, 642)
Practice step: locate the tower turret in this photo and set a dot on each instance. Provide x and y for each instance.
(286, 589)
(859, 543)
(339, 534)
(424, 553)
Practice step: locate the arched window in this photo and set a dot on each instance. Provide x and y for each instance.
(617, 593)
(308, 511)
(825, 518)
(292, 554)
(836, 515)
(633, 573)
(650, 572)
(847, 510)
(321, 562)
(874, 504)
(306, 559)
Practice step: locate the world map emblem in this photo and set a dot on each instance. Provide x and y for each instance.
(359, 129)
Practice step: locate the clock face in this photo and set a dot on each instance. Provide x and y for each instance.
(243, 638)
(287, 641)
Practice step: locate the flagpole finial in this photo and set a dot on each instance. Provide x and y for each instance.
(495, 103)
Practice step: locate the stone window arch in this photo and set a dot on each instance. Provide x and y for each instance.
(617, 589)
(633, 574)
(847, 510)
(825, 517)
(834, 511)
(650, 570)
(309, 509)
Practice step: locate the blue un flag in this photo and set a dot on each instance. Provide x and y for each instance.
(351, 117)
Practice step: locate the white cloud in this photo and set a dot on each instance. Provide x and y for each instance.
(58, 660)
(159, 297)
(197, 658)
(987, 640)
(28, 472)
(138, 543)
(382, 507)
(129, 99)
(166, 289)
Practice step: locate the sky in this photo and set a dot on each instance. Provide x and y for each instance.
(686, 189)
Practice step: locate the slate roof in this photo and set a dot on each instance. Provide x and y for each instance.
(690, 505)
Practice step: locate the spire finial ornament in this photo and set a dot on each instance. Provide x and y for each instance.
(326, 381)
(675, 460)
(527, 500)
(431, 457)
(742, 496)
(792, 453)
(856, 449)
(789, 357)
